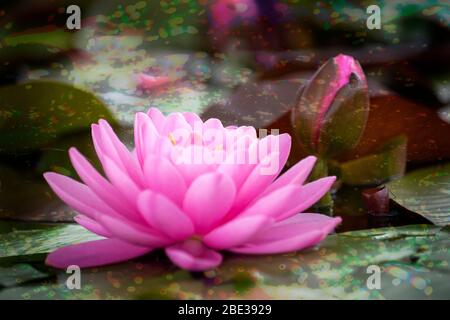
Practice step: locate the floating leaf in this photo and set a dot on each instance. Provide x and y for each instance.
(52, 38)
(56, 157)
(25, 244)
(29, 52)
(426, 192)
(21, 193)
(36, 113)
(386, 164)
(393, 233)
(18, 274)
(257, 104)
(390, 116)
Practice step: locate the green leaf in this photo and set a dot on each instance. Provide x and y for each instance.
(393, 233)
(426, 192)
(57, 38)
(18, 274)
(22, 194)
(21, 243)
(25, 196)
(35, 114)
(56, 157)
(386, 164)
(26, 52)
(33, 45)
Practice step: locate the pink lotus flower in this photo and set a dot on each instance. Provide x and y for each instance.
(156, 197)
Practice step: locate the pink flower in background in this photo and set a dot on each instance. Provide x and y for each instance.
(224, 11)
(147, 82)
(157, 197)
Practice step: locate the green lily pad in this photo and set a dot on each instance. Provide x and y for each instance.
(393, 233)
(426, 192)
(36, 113)
(57, 38)
(413, 261)
(56, 158)
(387, 164)
(23, 196)
(18, 274)
(27, 52)
(21, 243)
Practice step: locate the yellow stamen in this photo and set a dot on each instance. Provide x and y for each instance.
(172, 139)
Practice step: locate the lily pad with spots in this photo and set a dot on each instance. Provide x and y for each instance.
(36, 113)
(426, 192)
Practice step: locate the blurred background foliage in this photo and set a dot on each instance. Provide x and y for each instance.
(244, 62)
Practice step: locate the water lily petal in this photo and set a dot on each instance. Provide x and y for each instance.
(299, 224)
(298, 242)
(77, 195)
(145, 136)
(237, 164)
(295, 175)
(214, 134)
(192, 118)
(266, 171)
(247, 131)
(235, 232)
(99, 185)
(133, 233)
(107, 143)
(157, 118)
(175, 122)
(271, 143)
(164, 215)
(194, 256)
(276, 203)
(308, 195)
(94, 254)
(163, 177)
(256, 182)
(193, 161)
(121, 180)
(92, 225)
(301, 231)
(208, 199)
(289, 200)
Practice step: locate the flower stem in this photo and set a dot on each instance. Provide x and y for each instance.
(325, 204)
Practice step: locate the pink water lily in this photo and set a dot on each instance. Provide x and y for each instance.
(148, 82)
(155, 196)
